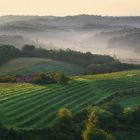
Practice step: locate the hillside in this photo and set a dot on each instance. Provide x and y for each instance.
(38, 65)
(97, 34)
(77, 95)
(107, 76)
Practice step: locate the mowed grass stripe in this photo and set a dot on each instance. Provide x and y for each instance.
(19, 92)
(48, 94)
(54, 105)
(72, 104)
(47, 102)
(27, 93)
(89, 102)
(50, 113)
(51, 116)
(46, 99)
(24, 95)
(23, 103)
(15, 92)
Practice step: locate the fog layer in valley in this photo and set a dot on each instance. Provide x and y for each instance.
(101, 35)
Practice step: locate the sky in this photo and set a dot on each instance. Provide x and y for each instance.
(70, 7)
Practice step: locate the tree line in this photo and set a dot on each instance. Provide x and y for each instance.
(109, 67)
(8, 52)
(43, 78)
(93, 63)
(68, 55)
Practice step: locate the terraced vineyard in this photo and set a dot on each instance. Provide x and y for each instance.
(33, 106)
(39, 65)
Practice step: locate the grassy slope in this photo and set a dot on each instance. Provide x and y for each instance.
(106, 76)
(130, 101)
(33, 106)
(38, 65)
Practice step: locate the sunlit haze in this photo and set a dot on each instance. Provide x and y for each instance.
(70, 7)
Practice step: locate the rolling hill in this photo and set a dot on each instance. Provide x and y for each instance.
(34, 106)
(97, 34)
(38, 65)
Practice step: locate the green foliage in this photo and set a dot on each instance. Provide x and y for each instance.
(113, 66)
(128, 115)
(28, 50)
(8, 52)
(130, 101)
(64, 113)
(43, 78)
(100, 118)
(115, 109)
(30, 66)
(64, 120)
(137, 115)
(74, 57)
(65, 126)
(94, 63)
(129, 119)
(26, 103)
(128, 111)
(92, 133)
(59, 77)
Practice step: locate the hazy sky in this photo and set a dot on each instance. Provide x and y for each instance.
(70, 7)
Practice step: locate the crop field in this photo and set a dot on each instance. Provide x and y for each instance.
(38, 65)
(34, 106)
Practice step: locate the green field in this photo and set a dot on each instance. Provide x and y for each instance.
(114, 75)
(130, 101)
(33, 106)
(39, 65)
